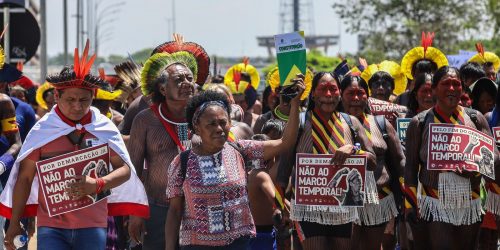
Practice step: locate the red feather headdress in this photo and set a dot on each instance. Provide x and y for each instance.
(79, 76)
(202, 58)
(427, 41)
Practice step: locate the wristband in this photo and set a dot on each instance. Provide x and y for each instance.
(99, 182)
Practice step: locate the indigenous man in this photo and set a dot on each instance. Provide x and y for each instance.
(160, 132)
(70, 126)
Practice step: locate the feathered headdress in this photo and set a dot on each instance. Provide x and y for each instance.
(483, 57)
(233, 80)
(390, 67)
(79, 76)
(179, 45)
(425, 51)
(105, 91)
(273, 79)
(130, 73)
(39, 94)
(159, 62)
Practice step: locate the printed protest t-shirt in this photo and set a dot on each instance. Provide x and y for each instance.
(92, 216)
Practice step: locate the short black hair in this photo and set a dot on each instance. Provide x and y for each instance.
(441, 72)
(483, 85)
(471, 70)
(381, 76)
(203, 97)
(260, 137)
(272, 124)
(423, 66)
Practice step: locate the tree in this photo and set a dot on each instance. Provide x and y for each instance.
(395, 26)
(142, 55)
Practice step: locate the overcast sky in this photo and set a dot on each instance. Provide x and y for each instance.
(222, 27)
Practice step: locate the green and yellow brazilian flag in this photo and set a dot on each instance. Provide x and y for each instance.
(291, 55)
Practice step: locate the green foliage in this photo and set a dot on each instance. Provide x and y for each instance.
(317, 61)
(393, 27)
(142, 55)
(116, 59)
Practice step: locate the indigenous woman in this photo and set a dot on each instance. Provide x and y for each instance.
(446, 211)
(421, 95)
(239, 129)
(421, 59)
(390, 163)
(207, 185)
(282, 110)
(328, 228)
(483, 95)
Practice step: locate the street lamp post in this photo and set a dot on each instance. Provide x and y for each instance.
(100, 20)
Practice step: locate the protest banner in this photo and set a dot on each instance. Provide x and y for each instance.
(391, 111)
(496, 135)
(291, 55)
(460, 148)
(401, 126)
(56, 173)
(319, 183)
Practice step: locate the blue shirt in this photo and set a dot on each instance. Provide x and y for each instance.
(25, 117)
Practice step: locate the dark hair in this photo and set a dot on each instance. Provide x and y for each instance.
(156, 95)
(423, 66)
(203, 97)
(487, 64)
(46, 93)
(441, 72)
(315, 82)
(260, 137)
(265, 106)
(272, 124)
(412, 98)
(346, 82)
(250, 96)
(483, 85)
(471, 70)
(381, 76)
